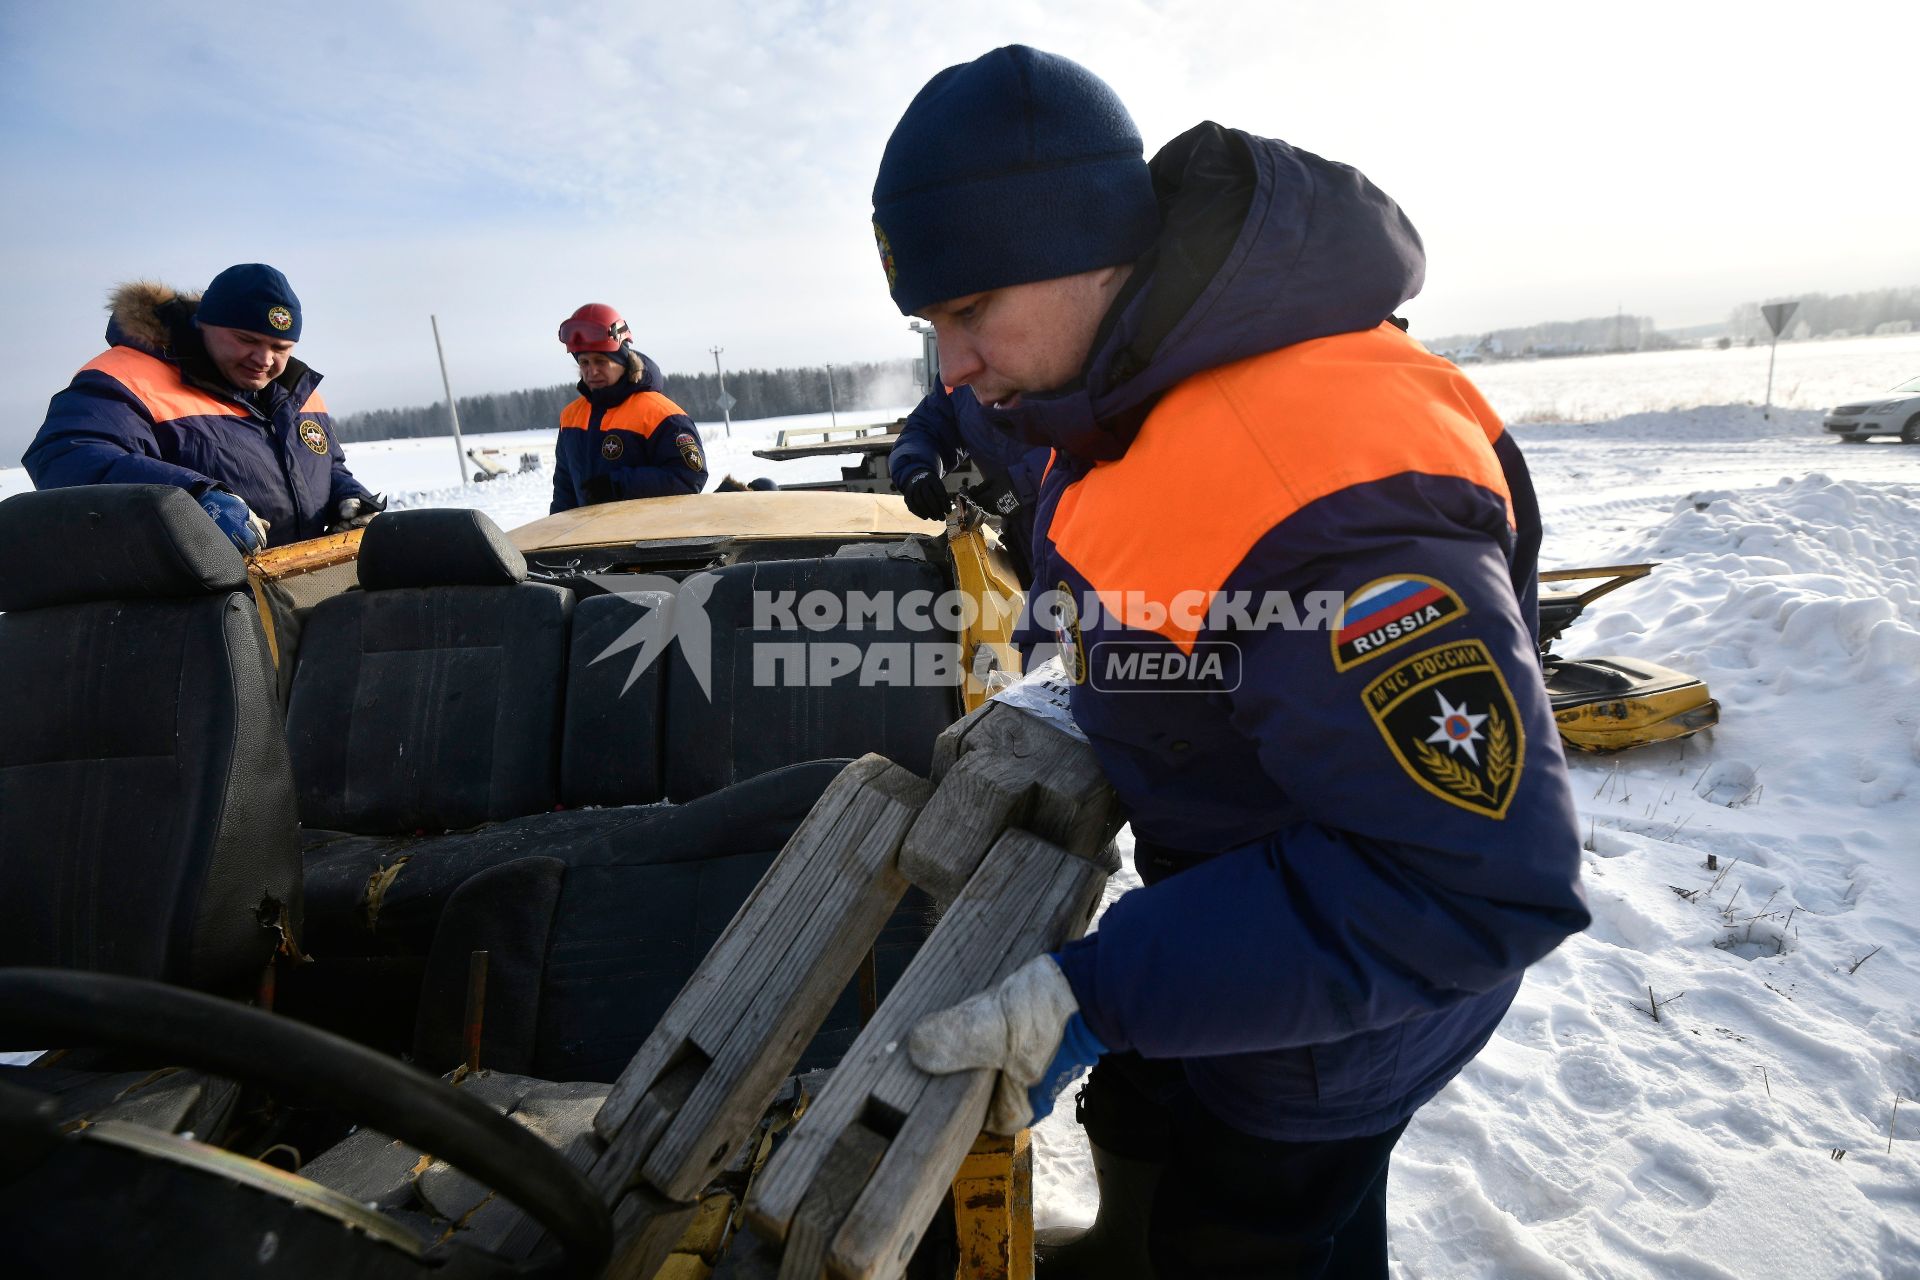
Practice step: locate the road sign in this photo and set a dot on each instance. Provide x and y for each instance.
(1776, 314)
(727, 402)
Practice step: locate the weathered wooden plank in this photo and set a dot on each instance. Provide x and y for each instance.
(793, 885)
(1001, 767)
(854, 865)
(842, 1176)
(952, 741)
(615, 1165)
(645, 1229)
(944, 1113)
(951, 965)
(784, 1010)
(880, 1231)
(1027, 897)
(719, 1054)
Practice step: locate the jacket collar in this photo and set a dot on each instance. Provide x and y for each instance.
(642, 375)
(1262, 246)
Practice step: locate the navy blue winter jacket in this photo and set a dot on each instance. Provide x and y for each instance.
(153, 409)
(1301, 552)
(642, 444)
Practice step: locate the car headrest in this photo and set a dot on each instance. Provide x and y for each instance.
(111, 542)
(453, 547)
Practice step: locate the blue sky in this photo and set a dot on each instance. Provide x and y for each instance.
(706, 167)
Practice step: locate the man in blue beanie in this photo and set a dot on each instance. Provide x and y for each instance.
(1288, 557)
(203, 392)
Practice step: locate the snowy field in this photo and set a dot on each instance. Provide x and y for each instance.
(1806, 375)
(1751, 1128)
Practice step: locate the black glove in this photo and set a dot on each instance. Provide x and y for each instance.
(927, 497)
(598, 489)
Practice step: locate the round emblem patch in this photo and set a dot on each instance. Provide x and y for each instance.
(1066, 630)
(611, 447)
(690, 451)
(1453, 725)
(313, 435)
(886, 254)
(280, 318)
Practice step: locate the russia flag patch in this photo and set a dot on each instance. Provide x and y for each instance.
(1388, 612)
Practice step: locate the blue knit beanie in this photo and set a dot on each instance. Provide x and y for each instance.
(1015, 167)
(252, 296)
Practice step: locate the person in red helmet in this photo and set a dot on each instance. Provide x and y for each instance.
(621, 438)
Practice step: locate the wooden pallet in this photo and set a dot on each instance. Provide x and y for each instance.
(1016, 837)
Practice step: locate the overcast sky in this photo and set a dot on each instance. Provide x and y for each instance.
(707, 167)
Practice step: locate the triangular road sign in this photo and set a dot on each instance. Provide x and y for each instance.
(1777, 313)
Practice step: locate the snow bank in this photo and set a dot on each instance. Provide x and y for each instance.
(1591, 1138)
(1702, 424)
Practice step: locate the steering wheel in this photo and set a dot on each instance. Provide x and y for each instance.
(39, 1007)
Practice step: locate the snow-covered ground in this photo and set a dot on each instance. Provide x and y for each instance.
(1751, 1128)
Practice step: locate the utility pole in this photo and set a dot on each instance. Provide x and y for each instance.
(459, 450)
(726, 401)
(833, 414)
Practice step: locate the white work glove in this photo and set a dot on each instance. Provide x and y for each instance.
(354, 513)
(1028, 1028)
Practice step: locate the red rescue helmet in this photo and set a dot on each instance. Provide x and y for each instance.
(594, 327)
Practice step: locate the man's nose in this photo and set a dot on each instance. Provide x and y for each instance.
(960, 363)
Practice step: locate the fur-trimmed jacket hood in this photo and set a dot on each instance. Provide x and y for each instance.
(147, 315)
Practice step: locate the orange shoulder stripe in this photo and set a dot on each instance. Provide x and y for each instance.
(1230, 453)
(158, 386)
(314, 403)
(640, 414)
(577, 413)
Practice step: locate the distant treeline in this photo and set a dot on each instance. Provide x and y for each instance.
(757, 393)
(1560, 338)
(1843, 315)
(1819, 316)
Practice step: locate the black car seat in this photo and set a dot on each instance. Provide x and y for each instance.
(147, 822)
(430, 699)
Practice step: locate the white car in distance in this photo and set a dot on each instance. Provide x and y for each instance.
(1897, 413)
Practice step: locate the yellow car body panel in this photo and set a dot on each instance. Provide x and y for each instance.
(753, 515)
